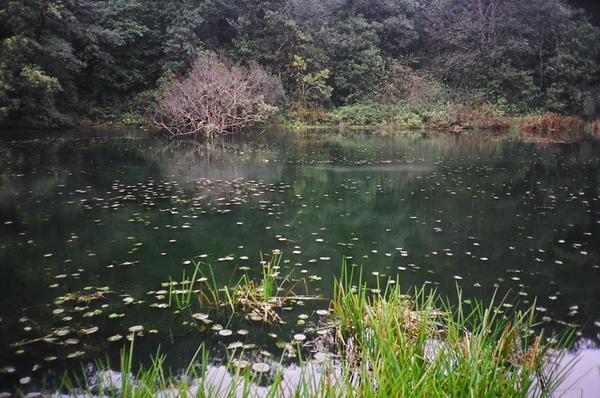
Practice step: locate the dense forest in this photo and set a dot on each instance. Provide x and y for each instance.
(357, 61)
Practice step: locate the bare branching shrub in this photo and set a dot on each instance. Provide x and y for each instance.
(215, 97)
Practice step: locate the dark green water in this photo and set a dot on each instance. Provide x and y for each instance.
(93, 224)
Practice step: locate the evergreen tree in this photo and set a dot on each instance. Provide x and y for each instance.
(48, 48)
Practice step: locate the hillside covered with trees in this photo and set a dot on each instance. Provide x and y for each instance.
(408, 62)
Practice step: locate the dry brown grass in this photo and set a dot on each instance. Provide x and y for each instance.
(596, 128)
(551, 123)
(482, 116)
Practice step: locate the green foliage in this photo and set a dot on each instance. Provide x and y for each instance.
(388, 344)
(364, 114)
(395, 21)
(358, 67)
(53, 48)
(64, 59)
(521, 56)
(421, 345)
(311, 86)
(414, 99)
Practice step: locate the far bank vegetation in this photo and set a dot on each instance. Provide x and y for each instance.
(441, 64)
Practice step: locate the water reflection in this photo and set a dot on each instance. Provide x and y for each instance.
(81, 212)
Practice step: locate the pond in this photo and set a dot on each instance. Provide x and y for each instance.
(95, 228)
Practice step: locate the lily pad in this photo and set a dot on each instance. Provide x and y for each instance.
(261, 367)
(91, 330)
(241, 364)
(299, 337)
(71, 341)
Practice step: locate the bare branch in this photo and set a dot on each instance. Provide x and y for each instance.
(216, 96)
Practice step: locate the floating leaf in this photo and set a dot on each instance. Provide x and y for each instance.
(76, 354)
(8, 369)
(235, 345)
(240, 364)
(71, 341)
(260, 367)
(255, 317)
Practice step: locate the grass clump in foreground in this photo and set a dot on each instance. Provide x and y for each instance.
(422, 346)
(389, 344)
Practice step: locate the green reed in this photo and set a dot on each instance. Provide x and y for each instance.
(420, 345)
(389, 344)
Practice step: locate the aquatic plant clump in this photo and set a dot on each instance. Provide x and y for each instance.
(420, 345)
(257, 300)
(385, 343)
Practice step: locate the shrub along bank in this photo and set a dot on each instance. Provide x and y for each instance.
(408, 62)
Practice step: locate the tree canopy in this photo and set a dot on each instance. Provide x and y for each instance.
(66, 60)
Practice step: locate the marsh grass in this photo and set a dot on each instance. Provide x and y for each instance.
(386, 344)
(553, 127)
(264, 298)
(421, 345)
(147, 381)
(258, 300)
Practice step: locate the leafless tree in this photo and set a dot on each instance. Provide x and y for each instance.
(215, 97)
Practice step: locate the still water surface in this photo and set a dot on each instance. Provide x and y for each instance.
(93, 225)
